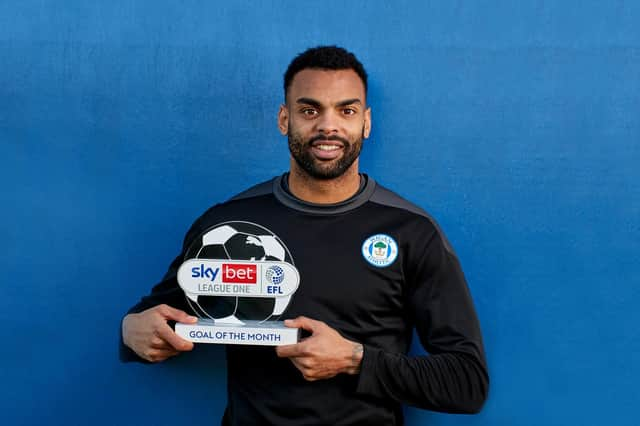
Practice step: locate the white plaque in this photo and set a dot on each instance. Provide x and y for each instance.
(261, 333)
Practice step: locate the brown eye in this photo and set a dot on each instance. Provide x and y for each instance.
(310, 112)
(348, 111)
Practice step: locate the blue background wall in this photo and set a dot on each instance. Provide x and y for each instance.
(517, 124)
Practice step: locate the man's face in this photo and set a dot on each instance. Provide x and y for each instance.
(325, 118)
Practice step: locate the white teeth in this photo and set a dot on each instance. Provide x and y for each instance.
(327, 147)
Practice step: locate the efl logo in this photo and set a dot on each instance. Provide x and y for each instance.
(239, 274)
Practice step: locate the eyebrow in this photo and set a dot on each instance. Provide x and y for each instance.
(315, 103)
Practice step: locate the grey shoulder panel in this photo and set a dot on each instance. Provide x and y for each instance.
(263, 188)
(389, 198)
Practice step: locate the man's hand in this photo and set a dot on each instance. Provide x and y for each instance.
(149, 335)
(324, 354)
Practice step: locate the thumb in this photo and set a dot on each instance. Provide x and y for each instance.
(177, 315)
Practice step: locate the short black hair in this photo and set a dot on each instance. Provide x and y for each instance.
(324, 58)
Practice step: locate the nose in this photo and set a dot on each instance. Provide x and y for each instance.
(327, 123)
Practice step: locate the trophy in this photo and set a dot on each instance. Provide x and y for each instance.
(238, 277)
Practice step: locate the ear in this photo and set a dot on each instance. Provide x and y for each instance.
(283, 120)
(366, 130)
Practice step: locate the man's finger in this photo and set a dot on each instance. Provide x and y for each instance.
(157, 355)
(288, 351)
(176, 314)
(307, 373)
(158, 343)
(167, 334)
(298, 365)
(304, 323)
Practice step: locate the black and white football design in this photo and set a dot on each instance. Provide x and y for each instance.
(239, 241)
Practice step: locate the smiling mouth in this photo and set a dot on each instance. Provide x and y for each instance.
(327, 148)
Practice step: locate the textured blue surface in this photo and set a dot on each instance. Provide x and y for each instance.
(516, 124)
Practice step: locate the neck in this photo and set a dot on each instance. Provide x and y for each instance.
(323, 191)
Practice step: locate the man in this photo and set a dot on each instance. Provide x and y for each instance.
(373, 267)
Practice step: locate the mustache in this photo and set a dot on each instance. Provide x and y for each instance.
(328, 138)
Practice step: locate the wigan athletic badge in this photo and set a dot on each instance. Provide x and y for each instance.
(238, 278)
(380, 250)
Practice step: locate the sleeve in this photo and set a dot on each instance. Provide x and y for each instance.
(167, 291)
(453, 377)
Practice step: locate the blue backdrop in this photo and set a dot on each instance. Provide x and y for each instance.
(516, 124)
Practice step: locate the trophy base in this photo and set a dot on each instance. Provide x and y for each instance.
(255, 333)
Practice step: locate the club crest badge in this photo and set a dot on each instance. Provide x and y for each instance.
(380, 250)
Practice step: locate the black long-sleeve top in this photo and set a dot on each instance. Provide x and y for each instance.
(375, 299)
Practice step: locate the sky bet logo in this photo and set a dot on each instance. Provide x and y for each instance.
(246, 278)
(231, 273)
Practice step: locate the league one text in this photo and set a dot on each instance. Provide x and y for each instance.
(238, 278)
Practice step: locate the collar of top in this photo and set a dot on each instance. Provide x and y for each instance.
(282, 193)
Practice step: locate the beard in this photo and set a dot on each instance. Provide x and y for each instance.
(324, 170)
